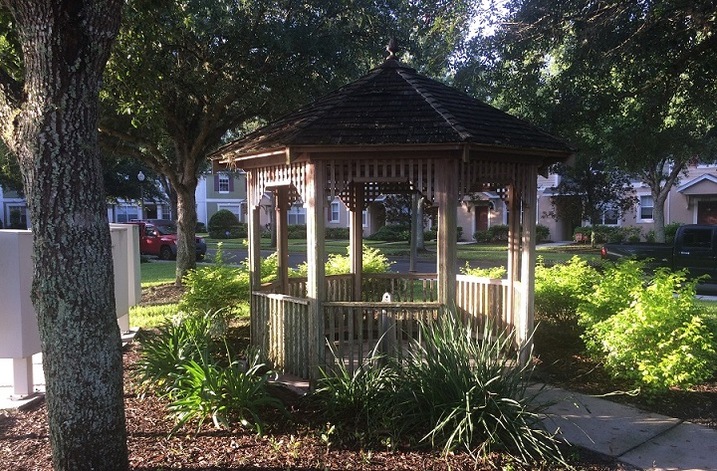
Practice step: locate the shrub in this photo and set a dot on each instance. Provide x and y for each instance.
(560, 288)
(495, 273)
(215, 287)
(392, 233)
(614, 292)
(337, 233)
(296, 231)
(659, 340)
(374, 261)
(542, 233)
(224, 225)
(671, 231)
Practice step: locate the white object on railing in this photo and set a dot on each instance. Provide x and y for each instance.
(388, 324)
(19, 334)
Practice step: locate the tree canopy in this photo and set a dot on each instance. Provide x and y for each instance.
(629, 81)
(185, 75)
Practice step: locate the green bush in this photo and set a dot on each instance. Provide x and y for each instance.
(542, 233)
(374, 261)
(497, 233)
(296, 231)
(495, 273)
(659, 340)
(392, 233)
(560, 288)
(613, 293)
(215, 287)
(224, 225)
(337, 233)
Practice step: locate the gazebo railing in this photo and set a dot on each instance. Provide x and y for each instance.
(355, 329)
(280, 323)
(480, 299)
(280, 329)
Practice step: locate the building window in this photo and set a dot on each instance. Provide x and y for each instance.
(335, 215)
(364, 218)
(610, 217)
(647, 205)
(223, 183)
(296, 216)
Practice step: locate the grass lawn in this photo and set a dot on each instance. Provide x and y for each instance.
(497, 253)
(157, 273)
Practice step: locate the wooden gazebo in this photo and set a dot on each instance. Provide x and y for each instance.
(389, 131)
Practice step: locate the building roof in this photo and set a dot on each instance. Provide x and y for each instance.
(394, 105)
(702, 185)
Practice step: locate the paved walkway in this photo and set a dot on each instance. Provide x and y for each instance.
(632, 436)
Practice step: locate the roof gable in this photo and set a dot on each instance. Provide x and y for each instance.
(704, 184)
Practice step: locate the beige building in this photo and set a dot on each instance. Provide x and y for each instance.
(692, 201)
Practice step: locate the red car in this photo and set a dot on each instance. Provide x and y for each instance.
(159, 237)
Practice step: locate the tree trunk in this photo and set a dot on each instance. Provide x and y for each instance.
(186, 227)
(658, 214)
(54, 135)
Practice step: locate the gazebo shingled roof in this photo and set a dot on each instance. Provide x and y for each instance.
(394, 105)
(390, 129)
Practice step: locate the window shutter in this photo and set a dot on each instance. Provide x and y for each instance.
(231, 183)
(216, 182)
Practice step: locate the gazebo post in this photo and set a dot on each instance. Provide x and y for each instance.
(254, 229)
(446, 251)
(282, 236)
(356, 239)
(315, 258)
(526, 313)
(513, 249)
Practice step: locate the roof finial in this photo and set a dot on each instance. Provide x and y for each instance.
(392, 49)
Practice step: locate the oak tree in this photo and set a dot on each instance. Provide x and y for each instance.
(49, 115)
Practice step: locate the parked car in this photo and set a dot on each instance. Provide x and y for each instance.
(694, 248)
(158, 237)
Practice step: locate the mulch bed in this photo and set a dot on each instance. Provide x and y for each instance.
(296, 444)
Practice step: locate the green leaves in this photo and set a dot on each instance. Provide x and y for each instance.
(650, 333)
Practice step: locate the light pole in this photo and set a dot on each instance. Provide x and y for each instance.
(141, 177)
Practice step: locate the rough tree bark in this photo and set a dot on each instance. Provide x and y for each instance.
(49, 120)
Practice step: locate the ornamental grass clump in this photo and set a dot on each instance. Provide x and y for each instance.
(189, 362)
(359, 400)
(459, 390)
(231, 392)
(173, 344)
(452, 390)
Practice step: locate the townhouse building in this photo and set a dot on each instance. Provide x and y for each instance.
(692, 200)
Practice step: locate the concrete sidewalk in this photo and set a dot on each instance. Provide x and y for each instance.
(632, 436)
